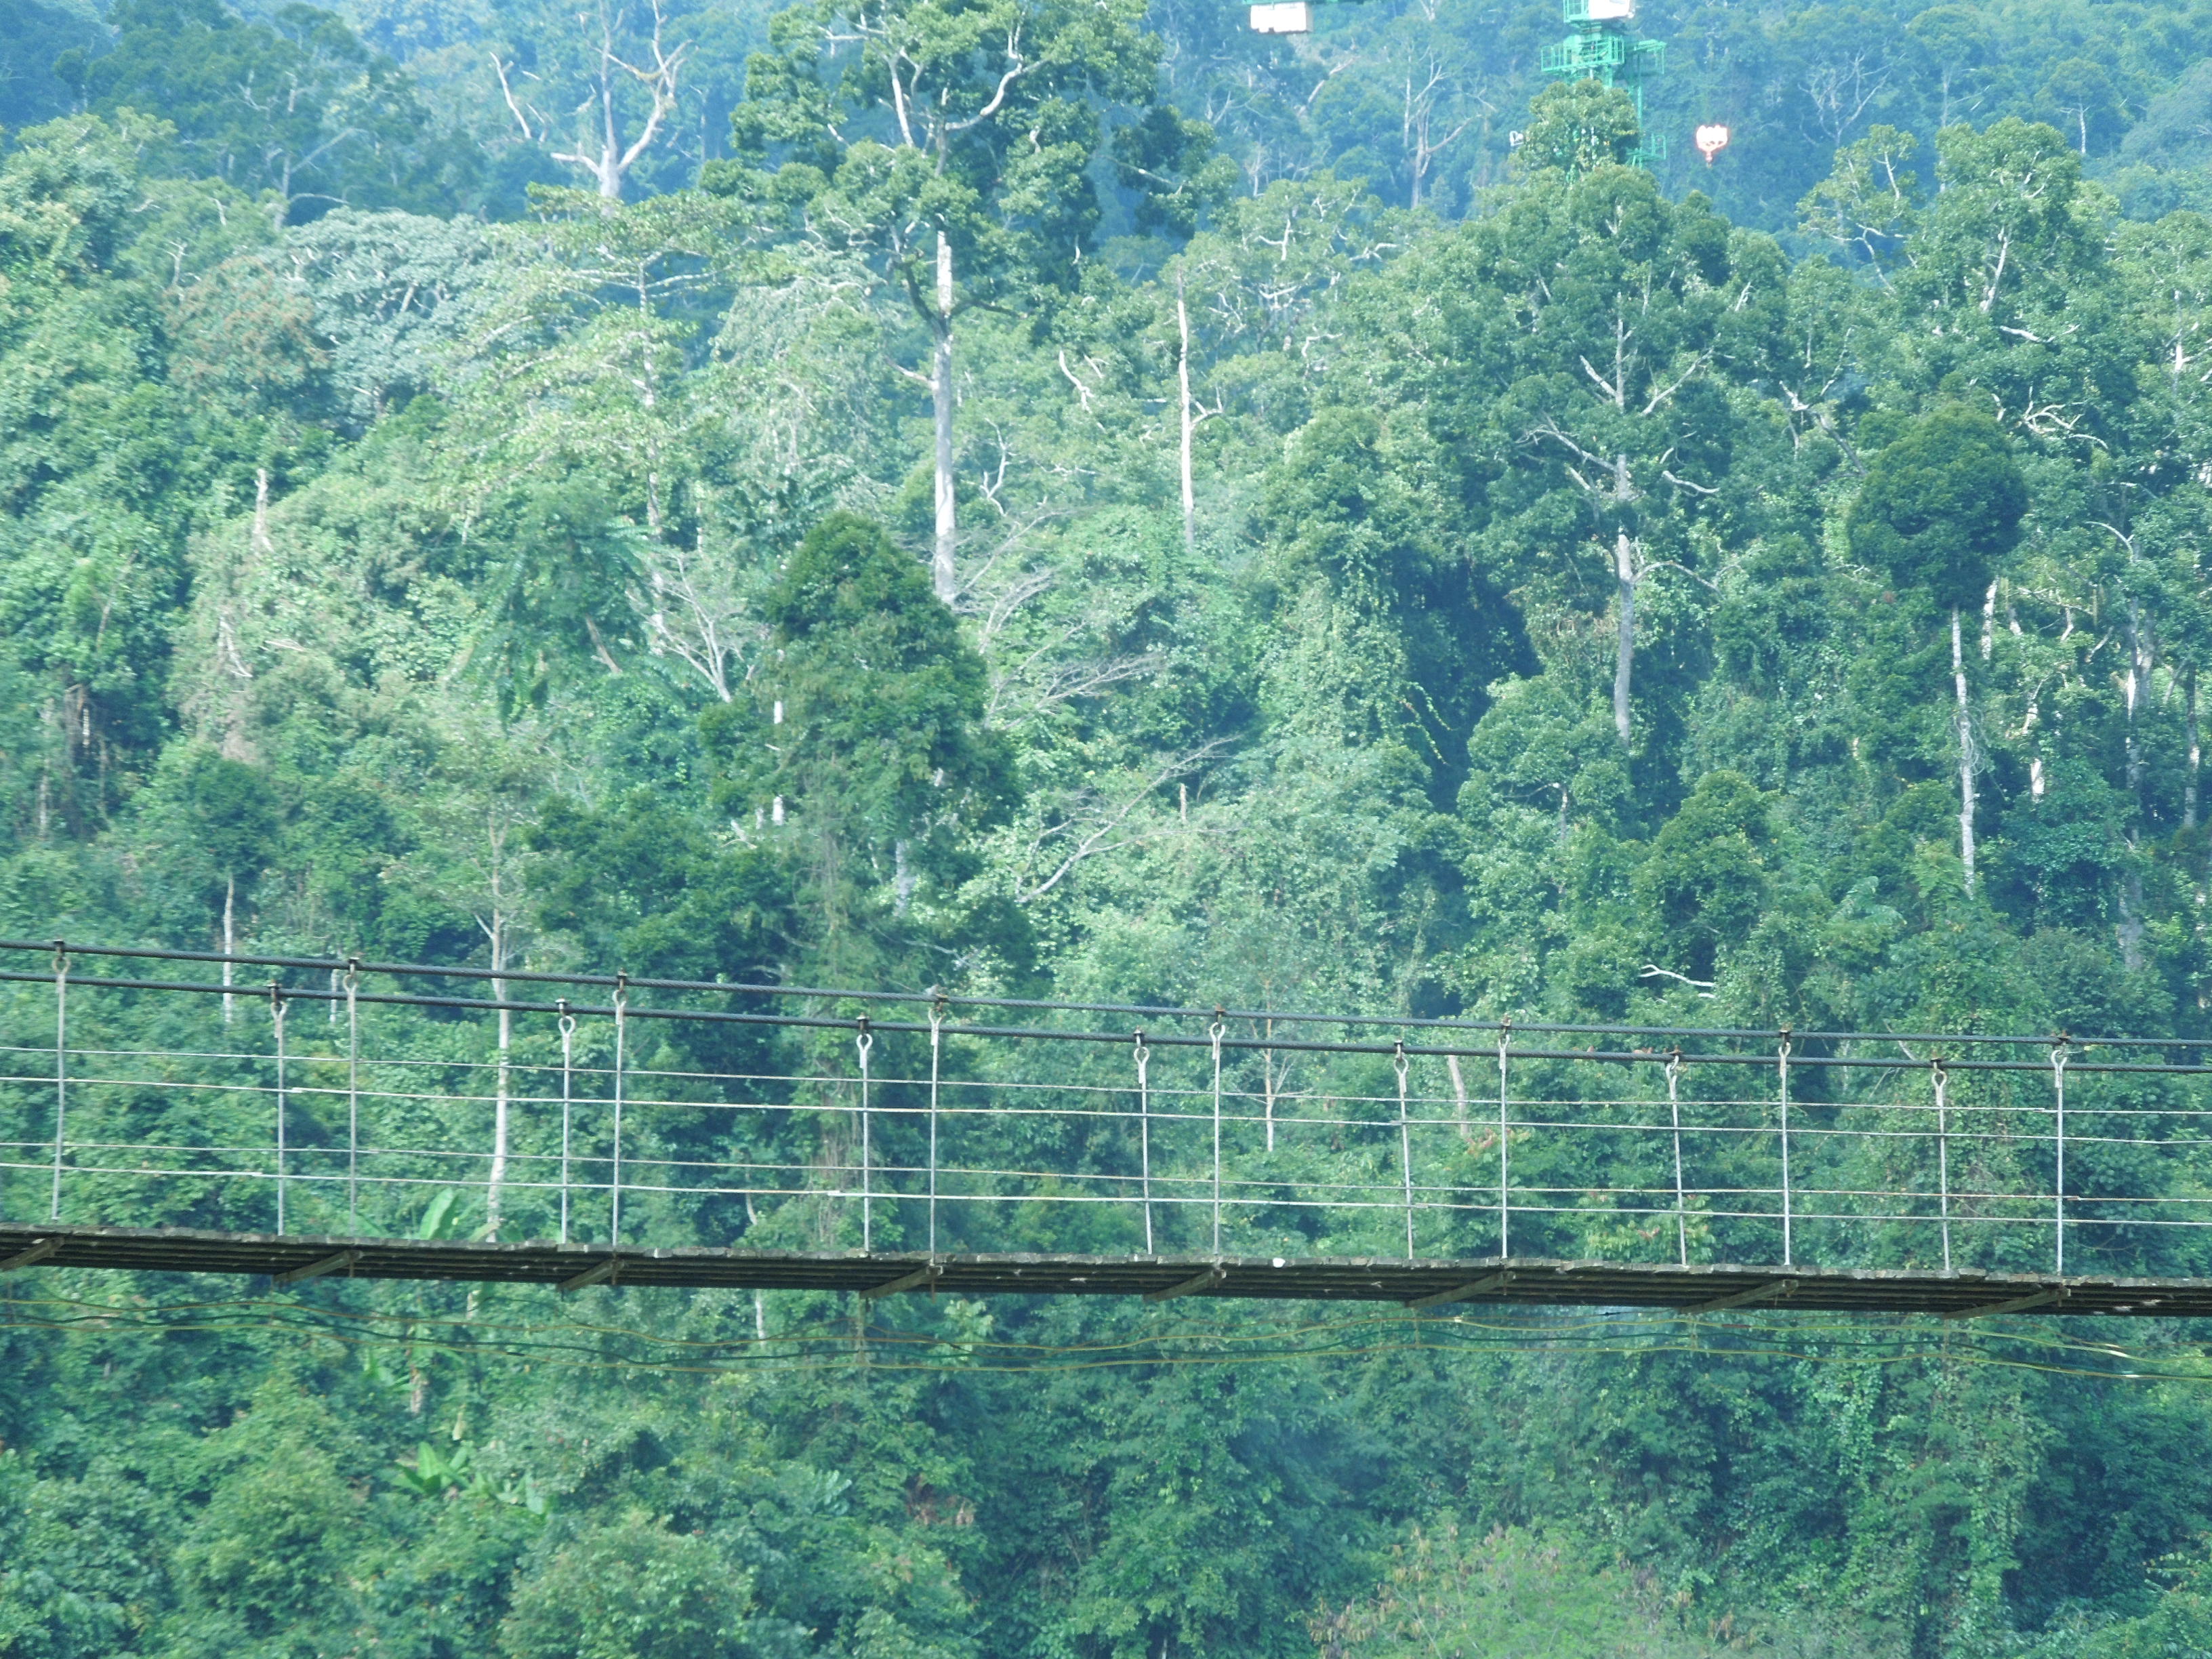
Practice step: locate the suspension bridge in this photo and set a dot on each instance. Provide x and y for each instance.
(301, 1118)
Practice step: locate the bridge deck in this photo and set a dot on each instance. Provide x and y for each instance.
(1518, 1281)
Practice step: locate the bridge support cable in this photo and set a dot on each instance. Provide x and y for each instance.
(61, 1072)
(1782, 1099)
(863, 1042)
(1943, 1154)
(1675, 1111)
(352, 984)
(567, 1027)
(1214, 1033)
(1400, 1065)
(1008, 1155)
(1504, 1154)
(614, 1176)
(936, 1048)
(1144, 1056)
(277, 1028)
(2058, 1151)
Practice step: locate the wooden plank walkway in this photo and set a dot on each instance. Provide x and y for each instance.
(1515, 1281)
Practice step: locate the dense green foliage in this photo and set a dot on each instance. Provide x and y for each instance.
(1383, 572)
(1940, 506)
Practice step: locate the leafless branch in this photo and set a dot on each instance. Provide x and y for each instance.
(1100, 838)
(1016, 68)
(512, 107)
(1650, 971)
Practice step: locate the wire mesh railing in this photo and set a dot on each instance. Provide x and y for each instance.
(301, 1096)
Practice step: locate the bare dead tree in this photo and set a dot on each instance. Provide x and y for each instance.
(694, 612)
(1842, 89)
(1193, 413)
(1092, 825)
(1425, 87)
(602, 147)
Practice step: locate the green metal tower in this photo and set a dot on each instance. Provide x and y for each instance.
(1601, 48)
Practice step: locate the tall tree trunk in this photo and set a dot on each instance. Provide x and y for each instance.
(1623, 661)
(1965, 753)
(2196, 755)
(1190, 423)
(2131, 893)
(610, 167)
(941, 387)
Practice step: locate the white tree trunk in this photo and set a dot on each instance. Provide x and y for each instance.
(1189, 420)
(1623, 661)
(940, 386)
(229, 936)
(2196, 758)
(608, 171)
(2131, 892)
(2190, 785)
(1966, 753)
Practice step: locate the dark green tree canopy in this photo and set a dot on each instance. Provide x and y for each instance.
(1941, 506)
(234, 822)
(873, 702)
(1706, 881)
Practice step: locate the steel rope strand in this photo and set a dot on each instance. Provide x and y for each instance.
(863, 1041)
(1399, 1064)
(721, 988)
(1505, 1172)
(1145, 1136)
(277, 1022)
(567, 1028)
(352, 982)
(1675, 1109)
(1782, 1092)
(61, 1070)
(614, 1183)
(2058, 1114)
(1943, 1156)
(1215, 1031)
(936, 1036)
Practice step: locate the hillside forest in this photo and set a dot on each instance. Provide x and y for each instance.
(1273, 521)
